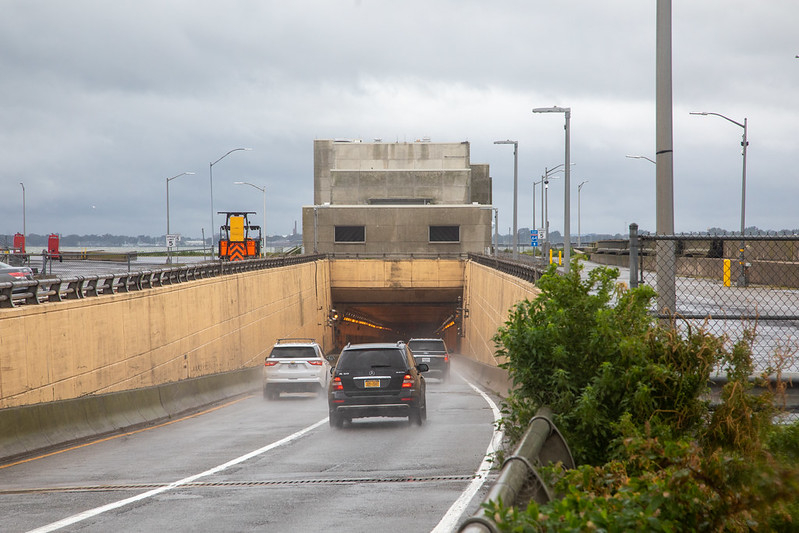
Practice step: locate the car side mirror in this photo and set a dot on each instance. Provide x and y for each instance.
(422, 367)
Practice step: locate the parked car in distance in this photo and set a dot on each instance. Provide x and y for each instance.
(15, 273)
(432, 352)
(295, 365)
(377, 379)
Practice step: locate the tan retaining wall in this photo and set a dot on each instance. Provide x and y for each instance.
(59, 351)
(489, 297)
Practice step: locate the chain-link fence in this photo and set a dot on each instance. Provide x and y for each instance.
(728, 282)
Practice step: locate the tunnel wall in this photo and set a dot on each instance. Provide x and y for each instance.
(489, 296)
(59, 351)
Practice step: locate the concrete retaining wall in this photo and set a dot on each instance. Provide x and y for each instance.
(489, 296)
(37, 428)
(125, 341)
(489, 377)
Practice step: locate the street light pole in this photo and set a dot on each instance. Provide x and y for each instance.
(744, 144)
(211, 174)
(24, 231)
(169, 248)
(263, 229)
(567, 166)
(496, 230)
(648, 159)
(579, 232)
(515, 194)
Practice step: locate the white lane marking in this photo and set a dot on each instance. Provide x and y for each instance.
(149, 494)
(450, 519)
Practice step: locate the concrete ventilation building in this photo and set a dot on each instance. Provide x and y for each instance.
(376, 198)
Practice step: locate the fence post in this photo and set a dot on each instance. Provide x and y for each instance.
(633, 255)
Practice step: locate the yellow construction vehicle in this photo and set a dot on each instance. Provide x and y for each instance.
(236, 238)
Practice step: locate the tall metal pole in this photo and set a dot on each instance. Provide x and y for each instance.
(741, 259)
(567, 192)
(515, 200)
(211, 175)
(742, 248)
(263, 229)
(579, 231)
(515, 194)
(567, 240)
(664, 167)
(169, 248)
(496, 230)
(24, 228)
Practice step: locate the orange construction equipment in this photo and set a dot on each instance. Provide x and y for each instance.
(235, 242)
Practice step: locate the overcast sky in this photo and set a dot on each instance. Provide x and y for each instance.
(101, 102)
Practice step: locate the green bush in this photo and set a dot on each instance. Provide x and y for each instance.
(627, 394)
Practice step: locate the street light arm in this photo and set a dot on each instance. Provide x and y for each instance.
(230, 152)
(704, 113)
(554, 109)
(262, 189)
(181, 174)
(641, 157)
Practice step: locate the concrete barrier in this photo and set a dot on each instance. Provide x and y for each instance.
(37, 428)
(490, 377)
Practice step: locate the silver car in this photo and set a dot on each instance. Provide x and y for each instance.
(295, 365)
(15, 273)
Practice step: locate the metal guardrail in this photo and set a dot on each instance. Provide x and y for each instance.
(528, 271)
(57, 289)
(519, 482)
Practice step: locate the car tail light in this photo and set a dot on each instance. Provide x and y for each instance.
(407, 381)
(20, 275)
(337, 385)
(315, 362)
(446, 357)
(270, 363)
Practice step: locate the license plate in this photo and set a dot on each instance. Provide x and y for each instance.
(371, 383)
(425, 359)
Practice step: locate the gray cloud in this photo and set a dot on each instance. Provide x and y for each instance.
(101, 102)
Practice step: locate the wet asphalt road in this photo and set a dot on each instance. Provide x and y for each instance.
(245, 467)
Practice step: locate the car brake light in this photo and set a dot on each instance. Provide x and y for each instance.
(270, 363)
(20, 275)
(315, 362)
(446, 357)
(407, 381)
(337, 385)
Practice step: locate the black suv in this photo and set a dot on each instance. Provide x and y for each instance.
(432, 352)
(377, 380)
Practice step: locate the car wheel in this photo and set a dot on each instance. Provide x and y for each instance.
(336, 420)
(423, 411)
(416, 416)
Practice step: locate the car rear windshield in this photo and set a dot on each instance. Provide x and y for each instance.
(427, 346)
(284, 352)
(364, 360)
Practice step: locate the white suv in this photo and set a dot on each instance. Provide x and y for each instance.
(295, 365)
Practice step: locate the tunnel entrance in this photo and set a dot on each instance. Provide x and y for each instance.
(389, 315)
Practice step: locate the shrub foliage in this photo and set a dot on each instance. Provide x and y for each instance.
(630, 396)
